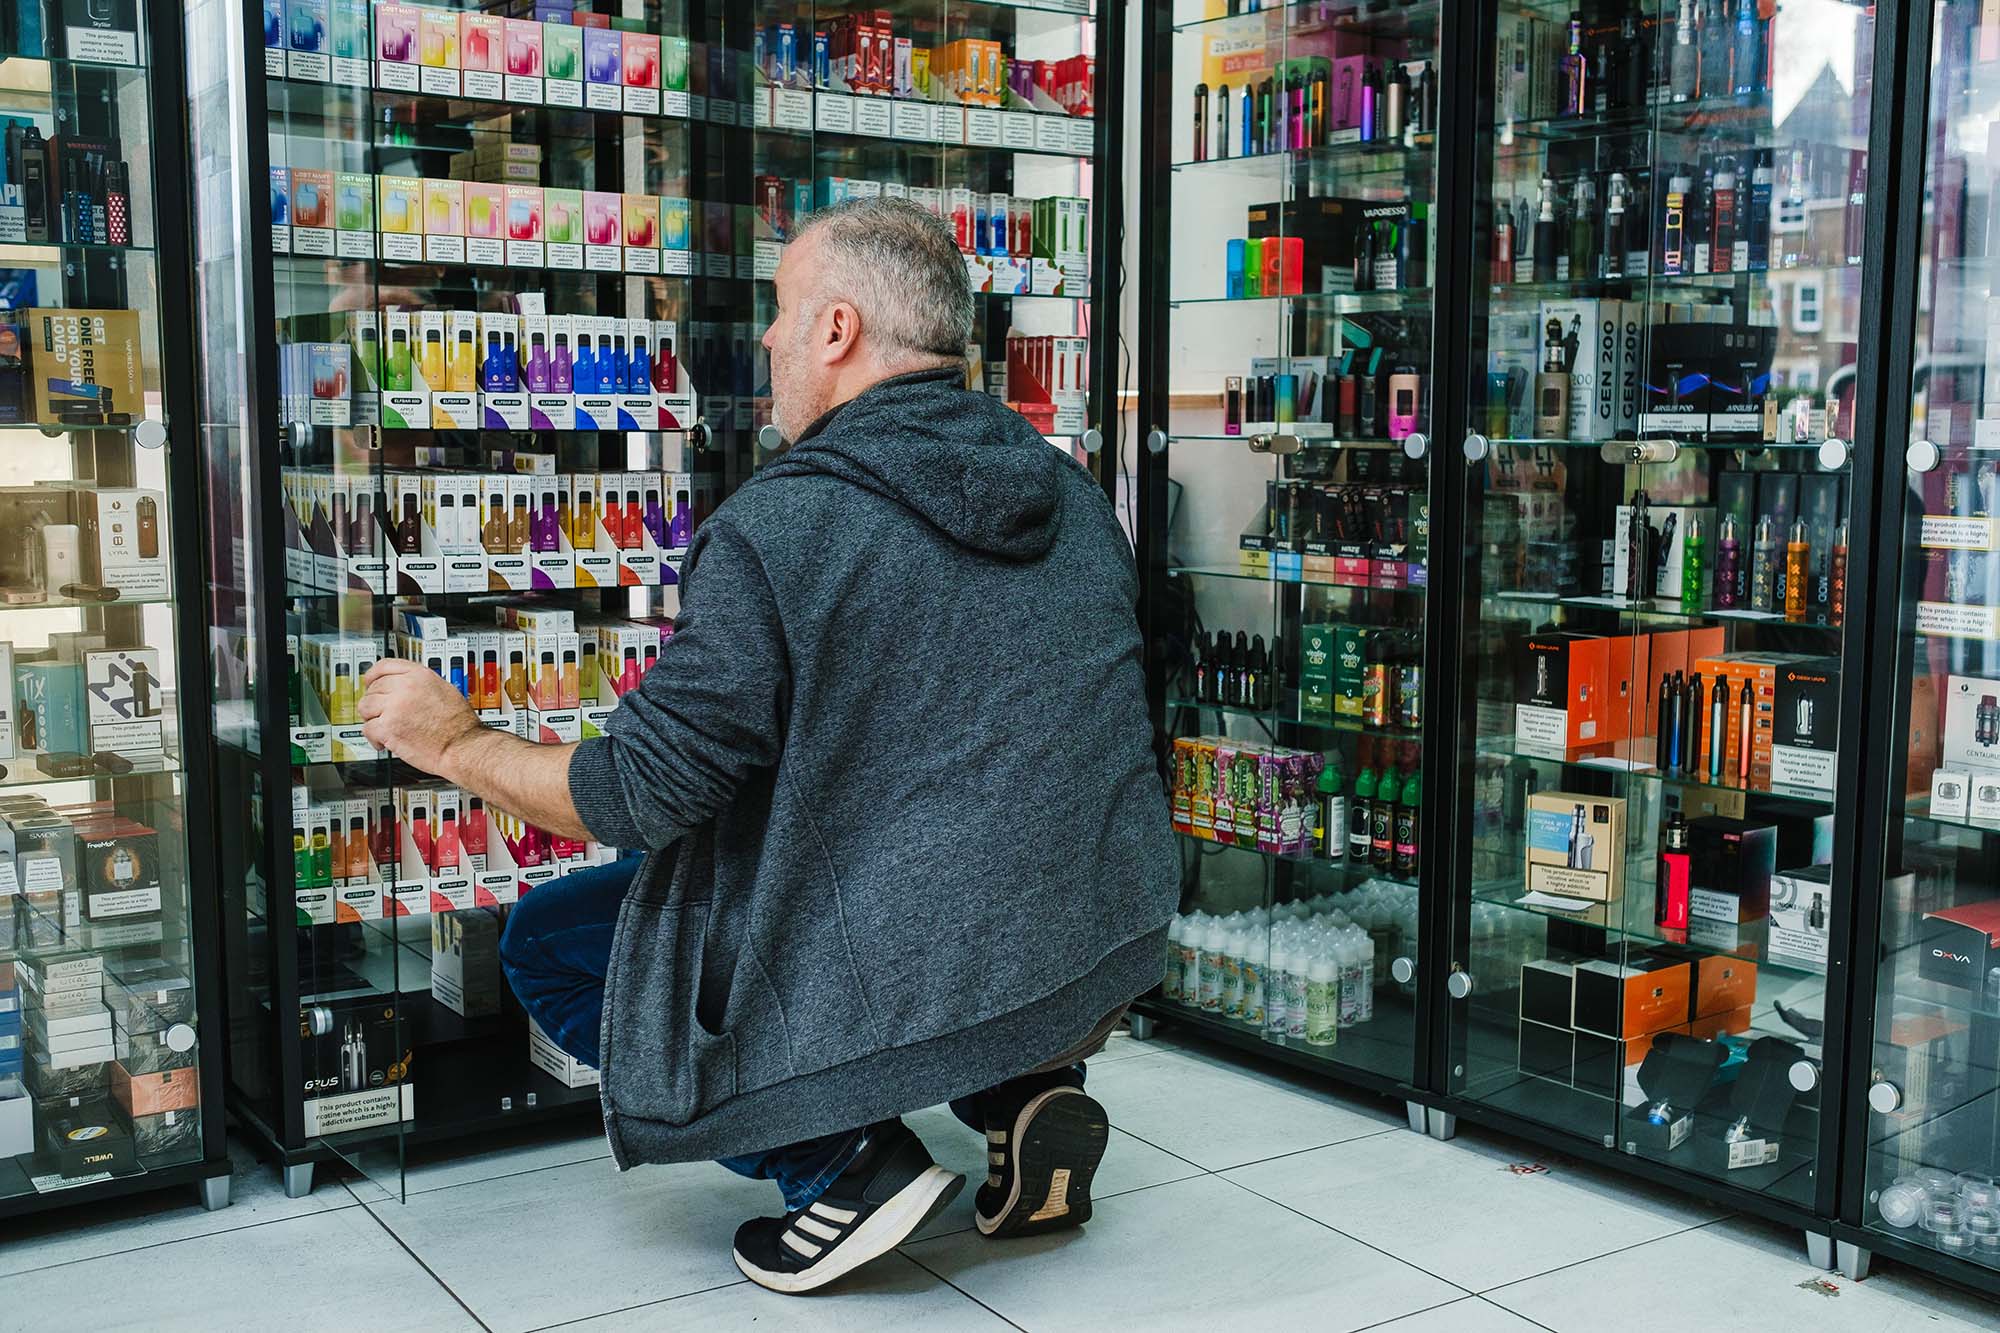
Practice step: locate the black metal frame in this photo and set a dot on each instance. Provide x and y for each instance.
(170, 176)
(1871, 724)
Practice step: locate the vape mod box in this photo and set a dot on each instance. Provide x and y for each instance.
(87, 1139)
(1647, 994)
(1961, 945)
(122, 540)
(1576, 845)
(1663, 548)
(1805, 724)
(1733, 862)
(1604, 367)
(1971, 724)
(1572, 690)
(1328, 230)
(84, 365)
(1741, 404)
(1801, 917)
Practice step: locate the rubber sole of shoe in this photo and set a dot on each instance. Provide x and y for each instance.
(1058, 1140)
(889, 1226)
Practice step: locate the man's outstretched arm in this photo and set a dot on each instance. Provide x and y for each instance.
(416, 714)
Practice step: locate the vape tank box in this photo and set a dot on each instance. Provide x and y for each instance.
(118, 870)
(465, 962)
(85, 365)
(1603, 396)
(122, 689)
(88, 1139)
(1805, 726)
(1801, 917)
(1961, 945)
(1572, 691)
(151, 1094)
(1971, 739)
(557, 1063)
(122, 531)
(1576, 845)
(1647, 994)
(1733, 863)
(1676, 387)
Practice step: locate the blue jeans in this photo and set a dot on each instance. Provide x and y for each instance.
(556, 950)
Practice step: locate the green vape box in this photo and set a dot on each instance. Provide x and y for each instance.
(1316, 672)
(1350, 664)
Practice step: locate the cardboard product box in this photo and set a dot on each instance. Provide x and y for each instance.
(1678, 369)
(465, 962)
(1761, 671)
(1576, 845)
(1733, 864)
(150, 1094)
(123, 546)
(1805, 724)
(1646, 994)
(123, 700)
(87, 1139)
(85, 366)
(1329, 229)
(17, 1126)
(1600, 408)
(557, 1063)
(1548, 992)
(1571, 691)
(1971, 736)
(169, 1133)
(1317, 646)
(118, 866)
(352, 1046)
(1722, 983)
(1961, 945)
(1801, 917)
(1742, 403)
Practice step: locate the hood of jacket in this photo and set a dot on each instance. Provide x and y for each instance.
(969, 466)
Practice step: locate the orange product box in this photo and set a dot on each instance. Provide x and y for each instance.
(1625, 1001)
(1761, 671)
(1711, 1026)
(150, 1094)
(1722, 983)
(1661, 654)
(1573, 691)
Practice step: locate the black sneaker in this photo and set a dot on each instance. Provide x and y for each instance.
(1041, 1163)
(873, 1206)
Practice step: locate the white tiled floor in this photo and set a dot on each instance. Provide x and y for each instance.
(1231, 1197)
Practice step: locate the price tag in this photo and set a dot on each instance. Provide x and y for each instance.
(982, 127)
(1051, 134)
(833, 113)
(912, 121)
(948, 123)
(1017, 130)
(1752, 1152)
(791, 109)
(872, 117)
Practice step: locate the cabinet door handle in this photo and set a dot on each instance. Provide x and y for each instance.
(1416, 445)
(1156, 441)
(1923, 456)
(1885, 1096)
(1459, 983)
(1093, 440)
(1477, 446)
(1404, 970)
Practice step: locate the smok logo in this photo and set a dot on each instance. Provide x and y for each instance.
(1950, 957)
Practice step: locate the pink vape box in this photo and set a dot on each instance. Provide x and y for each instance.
(396, 33)
(481, 38)
(640, 59)
(524, 212)
(524, 48)
(603, 223)
(484, 205)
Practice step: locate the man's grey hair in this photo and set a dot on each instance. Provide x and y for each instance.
(900, 267)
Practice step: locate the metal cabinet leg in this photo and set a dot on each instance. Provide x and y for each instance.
(1853, 1260)
(1819, 1250)
(298, 1180)
(215, 1193)
(1419, 1115)
(1443, 1125)
(1142, 1027)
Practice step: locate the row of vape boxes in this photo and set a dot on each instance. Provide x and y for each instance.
(78, 698)
(1965, 762)
(1047, 380)
(1589, 1024)
(1245, 794)
(355, 215)
(101, 1063)
(1602, 369)
(461, 370)
(73, 870)
(862, 53)
(1959, 535)
(560, 56)
(442, 532)
(1743, 550)
(1598, 695)
(370, 853)
(1324, 243)
(535, 675)
(1358, 536)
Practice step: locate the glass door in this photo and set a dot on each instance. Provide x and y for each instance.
(1659, 483)
(1932, 1111)
(1291, 569)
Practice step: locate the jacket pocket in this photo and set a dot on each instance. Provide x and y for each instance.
(660, 1063)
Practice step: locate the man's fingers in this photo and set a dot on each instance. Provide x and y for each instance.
(371, 705)
(387, 667)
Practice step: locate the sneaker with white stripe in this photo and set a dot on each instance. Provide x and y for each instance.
(1041, 1155)
(886, 1193)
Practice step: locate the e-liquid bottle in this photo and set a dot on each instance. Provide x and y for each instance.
(1408, 816)
(1694, 553)
(1728, 563)
(1382, 817)
(1796, 577)
(1673, 886)
(1332, 810)
(1763, 565)
(1361, 813)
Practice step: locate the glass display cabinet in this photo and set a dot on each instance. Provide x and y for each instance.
(993, 115)
(488, 276)
(1293, 152)
(1660, 497)
(1924, 1153)
(110, 1035)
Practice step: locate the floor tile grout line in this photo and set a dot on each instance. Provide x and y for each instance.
(1396, 1258)
(1591, 1259)
(1516, 1313)
(1412, 1314)
(641, 1305)
(428, 1270)
(176, 1240)
(604, 1156)
(962, 1291)
(1317, 1147)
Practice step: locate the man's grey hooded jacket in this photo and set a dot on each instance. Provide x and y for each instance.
(907, 838)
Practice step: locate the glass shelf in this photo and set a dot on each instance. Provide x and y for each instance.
(1404, 299)
(1291, 718)
(1644, 770)
(1351, 872)
(1405, 21)
(1661, 610)
(1216, 572)
(1724, 443)
(1375, 157)
(1311, 434)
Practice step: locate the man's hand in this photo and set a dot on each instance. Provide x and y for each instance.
(415, 713)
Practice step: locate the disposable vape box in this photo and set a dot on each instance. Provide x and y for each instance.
(481, 44)
(1676, 387)
(1645, 995)
(123, 699)
(49, 697)
(1576, 845)
(122, 534)
(1742, 404)
(1733, 861)
(119, 868)
(1805, 726)
(1961, 944)
(465, 962)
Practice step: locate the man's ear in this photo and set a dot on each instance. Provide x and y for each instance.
(841, 333)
